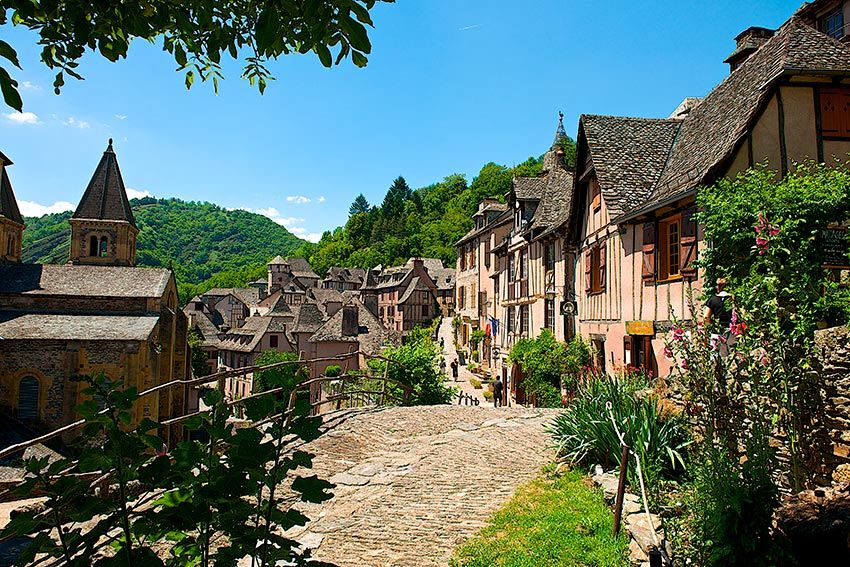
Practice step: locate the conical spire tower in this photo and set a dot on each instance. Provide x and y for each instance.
(555, 156)
(103, 229)
(11, 221)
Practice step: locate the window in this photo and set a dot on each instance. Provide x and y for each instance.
(472, 256)
(104, 245)
(669, 248)
(638, 352)
(511, 322)
(93, 246)
(28, 399)
(461, 297)
(594, 269)
(835, 112)
(833, 24)
(511, 267)
(472, 297)
(523, 264)
(550, 315)
(426, 311)
(273, 341)
(487, 246)
(462, 259)
(549, 254)
(524, 320)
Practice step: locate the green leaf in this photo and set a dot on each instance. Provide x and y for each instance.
(9, 87)
(356, 34)
(7, 52)
(359, 59)
(190, 78)
(324, 54)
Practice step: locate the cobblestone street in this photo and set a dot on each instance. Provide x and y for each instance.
(450, 354)
(413, 483)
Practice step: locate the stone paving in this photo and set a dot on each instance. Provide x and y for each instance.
(450, 354)
(413, 483)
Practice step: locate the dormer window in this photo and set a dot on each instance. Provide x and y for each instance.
(833, 24)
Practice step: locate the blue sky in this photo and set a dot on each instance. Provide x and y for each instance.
(451, 85)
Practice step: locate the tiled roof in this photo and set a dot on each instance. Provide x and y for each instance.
(628, 155)
(503, 217)
(301, 268)
(248, 336)
(105, 197)
(529, 188)
(324, 296)
(250, 296)
(207, 329)
(95, 281)
(371, 336)
(713, 130)
(308, 318)
(42, 326)
(348, 275)
(445, 278)
(8, 204)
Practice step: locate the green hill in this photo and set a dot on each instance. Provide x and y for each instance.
(205, 244)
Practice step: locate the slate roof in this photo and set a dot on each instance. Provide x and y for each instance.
(248, 336)
(105, 197)
(503, 217)
(301, 268)
(70, 280)
(444, 279)
(347, 275)
(324, 296)
(44, 326)
(371, 336)
(416, 284)
(529, 188)
(713, 130)
(208, 331)
(628, 155)
(308, 318)
(8, 203)
(250, 296)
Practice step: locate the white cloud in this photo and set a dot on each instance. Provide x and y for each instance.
(30, 86)
(137, 193)
(23, 118)
(321, 199)
(121, 116)
(33, 209)
(472, 27)
(76, 123)
(298, 199)
(292, 224)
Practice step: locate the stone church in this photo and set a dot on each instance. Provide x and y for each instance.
(98, 313)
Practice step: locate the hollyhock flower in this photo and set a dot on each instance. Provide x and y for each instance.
(678, 334)
(684, 364)
(668, 353)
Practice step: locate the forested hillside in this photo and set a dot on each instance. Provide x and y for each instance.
(424, 222)
(200, 241)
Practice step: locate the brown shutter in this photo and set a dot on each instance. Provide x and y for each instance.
(588, 269)
(602, 249)
(835, 113)
(688, 245)
(648, 253)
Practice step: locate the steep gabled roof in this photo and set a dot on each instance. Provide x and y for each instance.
(628, 155)
(371, 333)
(529, 188)
(8, 204)
(105, 197)
(714, 129)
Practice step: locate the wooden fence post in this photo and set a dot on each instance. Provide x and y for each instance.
(621, 488)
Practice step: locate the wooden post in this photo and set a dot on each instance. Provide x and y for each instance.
(621, 488)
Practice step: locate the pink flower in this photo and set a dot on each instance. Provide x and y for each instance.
(678, 334)
(668, 353)
(684, 364)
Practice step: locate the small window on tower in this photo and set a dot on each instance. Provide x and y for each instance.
(104, 246)
(93, 247)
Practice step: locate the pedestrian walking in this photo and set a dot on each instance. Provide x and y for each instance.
(497, 392)
(718, 318)
(442, 343)
(454, 370)
(442, 365)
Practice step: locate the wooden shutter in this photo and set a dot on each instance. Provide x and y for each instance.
(28, 399)
(588, 271)
(649, 252)
(688, 245)
(602, 249)
(835, 113)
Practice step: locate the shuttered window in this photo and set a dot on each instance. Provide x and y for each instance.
(649, 234)
(835, 112)
(28, 399)
(669, 248)
(594, 271)
(688, 252)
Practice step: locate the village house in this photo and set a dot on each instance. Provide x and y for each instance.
(291, 272)
(97, 314)
(475, 304)
(344, 279)
(785, 101)
(404, 297)
(532, 274)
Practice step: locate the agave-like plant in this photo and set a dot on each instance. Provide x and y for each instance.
(584, 435)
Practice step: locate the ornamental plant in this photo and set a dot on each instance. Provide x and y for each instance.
(549, 366)
(128, 499)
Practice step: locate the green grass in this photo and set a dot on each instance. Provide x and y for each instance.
(554, 520)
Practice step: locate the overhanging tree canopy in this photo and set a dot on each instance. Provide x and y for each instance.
(196, 32)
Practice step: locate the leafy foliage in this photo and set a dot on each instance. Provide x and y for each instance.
(200, 366)
(584, 434)
(206, 246)
(549, 365)
(197, 33)
(205, 503)
(415, 364)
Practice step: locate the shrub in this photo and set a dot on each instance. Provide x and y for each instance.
(333, 371)
(488, 395)
(584, 434)
(476, 383)
(549, 365)
(415, 364)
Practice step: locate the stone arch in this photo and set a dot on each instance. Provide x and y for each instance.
(29, 389)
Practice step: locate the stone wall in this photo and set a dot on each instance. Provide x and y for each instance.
(831, 436)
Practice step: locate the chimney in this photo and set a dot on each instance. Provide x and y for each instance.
(350, 321)
(748, 42)
(418, 263)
